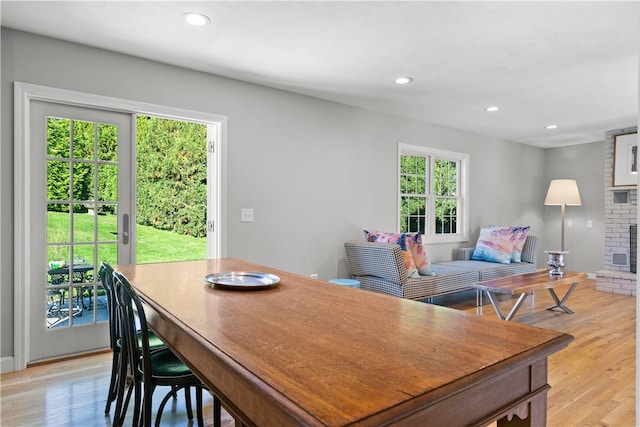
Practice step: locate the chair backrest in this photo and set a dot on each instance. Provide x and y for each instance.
(133, 326)
(383, 260)
(106, 278)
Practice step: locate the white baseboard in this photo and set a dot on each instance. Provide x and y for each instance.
(6, 365)
(591, 275)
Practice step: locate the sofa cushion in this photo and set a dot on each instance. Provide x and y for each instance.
(494, 245)
(399, 239)
(490, 270)
(448, 279)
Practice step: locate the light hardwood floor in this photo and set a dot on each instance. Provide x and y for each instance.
(593, 380)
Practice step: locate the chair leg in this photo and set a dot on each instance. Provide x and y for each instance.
(199, 406)
(217, 412)
(147, 402)
(187, 402)
(113, 384)
(121, 383)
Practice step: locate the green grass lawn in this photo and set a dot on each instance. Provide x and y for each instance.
(152, 245)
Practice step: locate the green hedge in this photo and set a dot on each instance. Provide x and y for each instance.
(172, 176)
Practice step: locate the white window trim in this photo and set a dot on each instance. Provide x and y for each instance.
(24, 93)
(462, 234)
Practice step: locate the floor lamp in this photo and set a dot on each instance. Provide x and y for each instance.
(562, 192)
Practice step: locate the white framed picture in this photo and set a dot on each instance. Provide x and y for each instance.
(625, 160)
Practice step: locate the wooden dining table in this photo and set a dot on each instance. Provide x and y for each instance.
(305, 352)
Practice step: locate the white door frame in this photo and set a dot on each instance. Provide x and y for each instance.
(24, 93)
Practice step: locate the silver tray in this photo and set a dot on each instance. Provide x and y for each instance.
(241, 280)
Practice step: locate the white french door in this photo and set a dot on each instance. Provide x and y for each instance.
(73, 203)
(80, 215)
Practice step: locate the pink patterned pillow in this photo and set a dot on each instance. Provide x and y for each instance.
(518, 237)
(420, 258)
(399, 239)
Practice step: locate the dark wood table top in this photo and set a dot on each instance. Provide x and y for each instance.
(323, 354)
(530, 282)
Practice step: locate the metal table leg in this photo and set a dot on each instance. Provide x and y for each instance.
(560, 303)
(514, 309)
(479, 302)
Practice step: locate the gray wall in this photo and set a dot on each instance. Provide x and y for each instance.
(315, 172)
(585, 164)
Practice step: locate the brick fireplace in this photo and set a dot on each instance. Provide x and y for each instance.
(620, 215)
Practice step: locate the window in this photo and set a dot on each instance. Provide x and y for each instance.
(433, 193)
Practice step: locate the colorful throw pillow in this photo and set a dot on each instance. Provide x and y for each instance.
(519, 235)
(494, 245)
(399, 239)
(420, 258)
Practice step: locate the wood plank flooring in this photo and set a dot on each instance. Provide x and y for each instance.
(593, 380)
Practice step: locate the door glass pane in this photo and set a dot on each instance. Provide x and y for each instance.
(58, 137)
(83, 181)
(83, 256)
(107, 182)
(58, 257)
(108, 252)
(58, 180)
(83, 138)
(107, 142)
(107, 220)
(83, 225)
(58, 225)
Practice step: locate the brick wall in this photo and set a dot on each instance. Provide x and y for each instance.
(618, 216)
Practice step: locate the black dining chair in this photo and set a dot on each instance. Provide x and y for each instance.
(119, 364)
(150, 369)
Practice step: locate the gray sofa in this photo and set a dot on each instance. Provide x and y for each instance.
(380, 268)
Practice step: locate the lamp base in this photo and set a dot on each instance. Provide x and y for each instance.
(556, 262)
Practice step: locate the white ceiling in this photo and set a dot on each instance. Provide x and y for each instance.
(574, 64)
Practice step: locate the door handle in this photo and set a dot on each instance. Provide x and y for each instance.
(125, 230)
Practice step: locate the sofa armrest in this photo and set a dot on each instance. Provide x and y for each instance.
(383, 260)
(529, 251)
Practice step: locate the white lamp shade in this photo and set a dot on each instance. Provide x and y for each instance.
(563, 192)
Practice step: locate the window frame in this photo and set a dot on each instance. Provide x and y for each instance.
(462, 159)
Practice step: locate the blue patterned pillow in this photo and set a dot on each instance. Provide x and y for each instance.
(494, 245)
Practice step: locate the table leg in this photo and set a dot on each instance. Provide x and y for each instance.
(560, 303)
(479, 302)
(494, 301)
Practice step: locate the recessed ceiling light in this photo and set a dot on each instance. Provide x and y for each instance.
(403, 80)
(551, 127)
(492, 108)
(196, 19)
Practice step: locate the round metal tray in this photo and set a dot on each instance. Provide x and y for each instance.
(242, 280)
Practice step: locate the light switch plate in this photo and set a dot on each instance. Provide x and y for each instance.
(246, 215)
